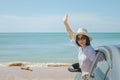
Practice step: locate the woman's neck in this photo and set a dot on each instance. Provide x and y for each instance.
(83, 46)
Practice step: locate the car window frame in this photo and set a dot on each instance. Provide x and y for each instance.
(104, 50)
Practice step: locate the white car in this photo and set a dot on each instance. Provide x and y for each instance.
(107, 69)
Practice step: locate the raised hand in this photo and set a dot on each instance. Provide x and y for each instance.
(65, 18)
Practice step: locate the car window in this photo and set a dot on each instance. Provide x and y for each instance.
(101, 70)
(101, 67)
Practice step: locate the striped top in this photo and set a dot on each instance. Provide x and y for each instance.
(85, 57)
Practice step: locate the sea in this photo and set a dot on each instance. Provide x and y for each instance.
(41, 49)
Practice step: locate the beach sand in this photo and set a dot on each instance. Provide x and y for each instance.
(46, 73)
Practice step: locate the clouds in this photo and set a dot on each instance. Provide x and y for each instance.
(54, 23)
(96, 23)
(46, 16)
(29, 24)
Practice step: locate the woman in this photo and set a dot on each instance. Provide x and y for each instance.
(86, 53)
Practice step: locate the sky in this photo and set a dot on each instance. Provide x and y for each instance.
(47, 15)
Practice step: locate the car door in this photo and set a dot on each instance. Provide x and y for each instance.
(100, 66)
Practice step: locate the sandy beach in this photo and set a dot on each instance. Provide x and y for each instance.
(46, 73)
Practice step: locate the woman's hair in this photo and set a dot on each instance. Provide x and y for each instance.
(87, 40)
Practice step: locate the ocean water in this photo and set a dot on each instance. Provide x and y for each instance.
(37, 48)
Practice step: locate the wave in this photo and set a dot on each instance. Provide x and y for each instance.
(33, 64)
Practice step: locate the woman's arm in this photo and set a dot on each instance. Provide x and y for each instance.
(68, 29)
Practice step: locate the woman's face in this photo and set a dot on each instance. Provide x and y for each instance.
(81, 40)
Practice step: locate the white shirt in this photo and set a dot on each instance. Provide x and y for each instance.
(85, 57)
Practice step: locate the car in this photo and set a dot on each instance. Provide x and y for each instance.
(107, 69)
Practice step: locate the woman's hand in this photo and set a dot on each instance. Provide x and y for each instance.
(65, 18)
(84, 74)
(68, 29)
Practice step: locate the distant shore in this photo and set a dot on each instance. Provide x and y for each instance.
(36, 73)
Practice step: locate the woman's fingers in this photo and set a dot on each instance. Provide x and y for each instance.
(84, 74)
(65, 18)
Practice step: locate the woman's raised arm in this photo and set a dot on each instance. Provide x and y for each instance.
(68, 29)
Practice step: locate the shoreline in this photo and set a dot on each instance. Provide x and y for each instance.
(42, 73)
(33, 64)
